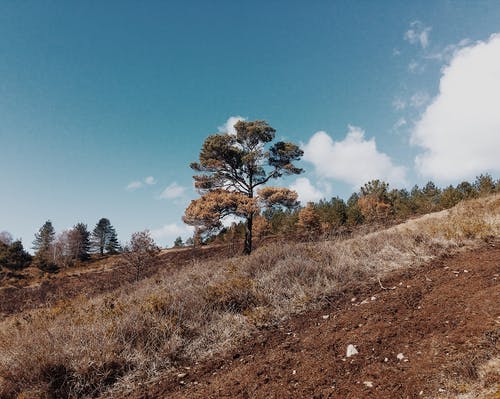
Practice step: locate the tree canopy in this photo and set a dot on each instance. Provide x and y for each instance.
(232, 166)
(104, 237)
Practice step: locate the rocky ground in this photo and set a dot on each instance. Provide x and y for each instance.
(427, 332)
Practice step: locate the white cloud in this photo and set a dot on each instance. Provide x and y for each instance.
(173, 191)
(150, 180)
(460, 130)
(354, 160)
(169, 232)
(228, 127)
(134, 185)
(418, 34)
(306, 191)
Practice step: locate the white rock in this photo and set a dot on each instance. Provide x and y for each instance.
(373, 298)
(351, 350)
(400, 356)
(369, 384)
(386, 360)
(181, 375)
(326, 316)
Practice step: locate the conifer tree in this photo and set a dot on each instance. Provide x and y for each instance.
(44, 238)
(104, 237)
(13, 256)
(231, 167)
(82, 241)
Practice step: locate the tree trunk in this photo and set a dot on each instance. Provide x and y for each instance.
(248, 235)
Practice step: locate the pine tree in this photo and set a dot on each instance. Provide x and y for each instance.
(13, 256)
(178, 242)
(82, 238)
(112, 245)
(232, 167)
(104, 237)
(44, 238)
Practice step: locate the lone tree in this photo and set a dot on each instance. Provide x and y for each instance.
(140, 253)
(104, 237)
(44, 238)
(231, 167)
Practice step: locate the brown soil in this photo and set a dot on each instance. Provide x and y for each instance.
(444, 319)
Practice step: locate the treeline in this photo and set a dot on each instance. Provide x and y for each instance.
(374, 203)
(66, 249)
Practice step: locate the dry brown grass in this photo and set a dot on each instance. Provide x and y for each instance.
(85, 348)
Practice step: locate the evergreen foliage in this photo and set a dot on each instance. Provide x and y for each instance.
(44, 238)
(104, 238)
(13, 256)
(231, 167)
(82, 241)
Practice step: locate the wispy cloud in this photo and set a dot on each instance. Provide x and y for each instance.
(136, 184)
(399, 104)
(419, 99)
(399, 123)
(446, 54)
(173, 191)
(418, 34)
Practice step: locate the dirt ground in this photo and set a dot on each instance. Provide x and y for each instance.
(443, 320)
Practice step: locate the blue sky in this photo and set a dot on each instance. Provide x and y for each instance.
(96, 97)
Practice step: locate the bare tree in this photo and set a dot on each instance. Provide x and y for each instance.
(140, 253)
(6, 237)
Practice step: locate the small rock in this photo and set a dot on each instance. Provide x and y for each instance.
(421, 393)
(386, 360)
(364, 302)
(466, 271)
(353, 299)
(373, 298)
(400, 356)
(294, 372)
(368, 384)
(182, 383)
(441, 390)
(181, 375)
(326, 316)
(351, 350)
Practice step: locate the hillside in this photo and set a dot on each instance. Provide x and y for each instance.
(288, 306)
(444, 320)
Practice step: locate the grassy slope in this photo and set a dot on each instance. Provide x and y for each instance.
(83, 347)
